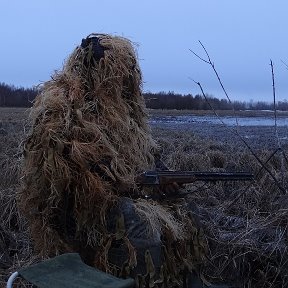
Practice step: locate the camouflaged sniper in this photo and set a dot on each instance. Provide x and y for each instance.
(89, 140)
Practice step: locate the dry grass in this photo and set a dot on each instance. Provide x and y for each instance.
(245, 223)
(15, 244)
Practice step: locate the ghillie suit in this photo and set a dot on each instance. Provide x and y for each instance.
(89, 141)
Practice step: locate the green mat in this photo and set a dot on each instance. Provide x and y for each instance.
(68, 270)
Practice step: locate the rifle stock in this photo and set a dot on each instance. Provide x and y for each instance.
(184, 177)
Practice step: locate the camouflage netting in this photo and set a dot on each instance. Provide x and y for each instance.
(88, 142)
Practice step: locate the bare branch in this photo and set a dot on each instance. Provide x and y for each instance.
(199, 57)
(274, 98)
(209, 61)
(275, 121)
(286, 65)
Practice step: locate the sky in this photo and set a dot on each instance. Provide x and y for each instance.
(241, 38)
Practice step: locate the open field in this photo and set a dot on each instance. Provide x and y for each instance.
(246, 224)
(241, 113)
(13, 114)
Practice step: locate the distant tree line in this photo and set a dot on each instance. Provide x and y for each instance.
(11, 96)
(170, 100)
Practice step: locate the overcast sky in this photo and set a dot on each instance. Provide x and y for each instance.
(240, 36)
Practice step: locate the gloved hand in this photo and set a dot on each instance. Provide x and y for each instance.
(170, 189)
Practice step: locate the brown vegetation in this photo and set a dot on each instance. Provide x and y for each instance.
(245, 223)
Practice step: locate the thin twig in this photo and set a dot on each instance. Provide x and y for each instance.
(275, 122)
(266, 162)
(286, 65)
(274, 97)
(218, 77)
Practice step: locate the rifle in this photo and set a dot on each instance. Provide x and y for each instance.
(151, 178)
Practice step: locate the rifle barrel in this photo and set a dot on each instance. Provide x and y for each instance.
(184, 177)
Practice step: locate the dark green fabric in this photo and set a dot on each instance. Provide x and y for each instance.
(68, 270)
